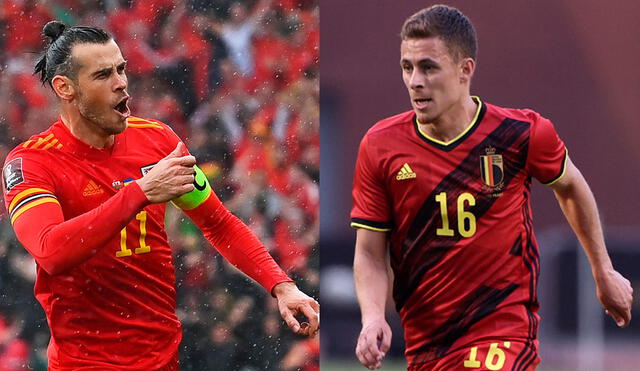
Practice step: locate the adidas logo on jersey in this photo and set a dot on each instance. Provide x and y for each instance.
(92, 189)
(405, 173)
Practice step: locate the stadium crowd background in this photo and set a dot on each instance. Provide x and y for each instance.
(238, 81)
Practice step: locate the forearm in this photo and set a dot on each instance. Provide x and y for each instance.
(58, 245)
(237, 243)
(579, 206)
(371, 277)
(580, 209)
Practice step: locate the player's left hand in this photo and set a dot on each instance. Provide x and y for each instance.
(616, 295)
(292, 301)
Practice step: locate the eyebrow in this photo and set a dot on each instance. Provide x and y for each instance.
(428, 61)
(107, 69)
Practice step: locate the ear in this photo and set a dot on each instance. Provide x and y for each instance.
(467, 68)
(64, 87)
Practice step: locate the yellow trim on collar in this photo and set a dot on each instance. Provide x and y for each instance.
(465, 131)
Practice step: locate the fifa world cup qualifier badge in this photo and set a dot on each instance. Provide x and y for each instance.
(12, 174)
(145, 169)
(491, 171)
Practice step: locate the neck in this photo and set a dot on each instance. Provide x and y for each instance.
(452, 122)
(85, 130)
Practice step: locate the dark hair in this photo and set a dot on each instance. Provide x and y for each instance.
(56, 58)
(445, 22)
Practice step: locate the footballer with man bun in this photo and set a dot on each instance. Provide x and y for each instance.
(87, 199)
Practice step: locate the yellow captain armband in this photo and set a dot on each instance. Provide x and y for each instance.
(199, 195)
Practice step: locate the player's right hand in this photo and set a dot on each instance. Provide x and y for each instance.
(171, 177)
(616, 295)
(373, 343)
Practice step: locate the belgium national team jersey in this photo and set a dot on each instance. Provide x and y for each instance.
(458, 215)
(115, 310)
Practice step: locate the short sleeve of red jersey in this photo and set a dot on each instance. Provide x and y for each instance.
(27, 185)
(370, 204)
(547, 157)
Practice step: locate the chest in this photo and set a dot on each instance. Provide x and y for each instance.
(475, 171)
(84, 184)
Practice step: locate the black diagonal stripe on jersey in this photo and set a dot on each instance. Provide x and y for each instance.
(516, 249)
(480, 303)
(414, 260)
(27, 200)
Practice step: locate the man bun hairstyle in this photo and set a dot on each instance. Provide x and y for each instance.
(446, 22)
(56, 58)
(53, 30)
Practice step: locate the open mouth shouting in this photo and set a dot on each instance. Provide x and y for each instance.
(122, 108)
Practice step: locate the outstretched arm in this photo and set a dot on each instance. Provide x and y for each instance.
(372, 285)
(579, 207)
(237, 243)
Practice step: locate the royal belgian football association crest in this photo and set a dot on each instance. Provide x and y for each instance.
(491, 169)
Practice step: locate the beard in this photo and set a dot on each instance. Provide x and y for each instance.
(99, 114)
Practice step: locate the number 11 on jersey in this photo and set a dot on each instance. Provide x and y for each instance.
(144, 248)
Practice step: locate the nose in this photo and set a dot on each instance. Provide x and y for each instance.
(417, 80)
(120, 82)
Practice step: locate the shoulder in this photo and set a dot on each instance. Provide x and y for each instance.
(33, 158)
(38, 146)
(43, 141)
(518, 114)
(137, 123)
(390, 126)
(143, 129)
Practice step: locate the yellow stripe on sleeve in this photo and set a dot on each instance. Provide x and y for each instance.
(135, 119)
(145, 126)
(33, 204)
(20, 196)
(564, 169)
(136, 122)
(364, 226)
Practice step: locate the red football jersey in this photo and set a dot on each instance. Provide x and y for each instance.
(116, 309)
(458, 215)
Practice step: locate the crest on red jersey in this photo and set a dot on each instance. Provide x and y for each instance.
(491, 168)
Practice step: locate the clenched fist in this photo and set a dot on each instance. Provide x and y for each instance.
(171, 177)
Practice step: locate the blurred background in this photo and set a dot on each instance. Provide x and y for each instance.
(575, 63)
(238, 81)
